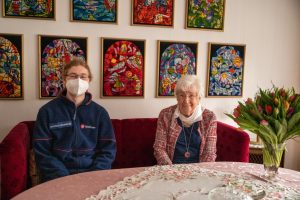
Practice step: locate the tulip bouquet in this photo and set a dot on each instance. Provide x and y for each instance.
(274, 115)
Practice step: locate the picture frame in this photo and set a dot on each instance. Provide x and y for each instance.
(123, 68)
(42, 9)
(205, 15)
(11, 67)
(153, 13)
(254, 139)
(101, 11)
(174, 59)
(225, 70)
(54, 53)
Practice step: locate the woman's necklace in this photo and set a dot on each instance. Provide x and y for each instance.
(187, 154)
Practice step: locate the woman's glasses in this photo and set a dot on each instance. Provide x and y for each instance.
(187, 96)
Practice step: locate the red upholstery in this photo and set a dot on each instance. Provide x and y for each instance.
(136, 148)
(117, 124)
(14, 165)
(232, 144)
(135, 138)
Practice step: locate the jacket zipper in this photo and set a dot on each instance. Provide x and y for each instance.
(76, 137)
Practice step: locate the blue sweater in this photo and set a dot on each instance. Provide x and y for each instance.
(187, 137)
(69, 140)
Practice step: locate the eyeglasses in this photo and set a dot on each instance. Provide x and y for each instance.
(76, 76)
(188, 96)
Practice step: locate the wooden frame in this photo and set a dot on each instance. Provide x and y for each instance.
(225, 70)
(123, 68)
(54, 52)
(174, 59)
(11, 66)
(254, 139)
(153, 13)
(206, 15)
(43, 9)
(94, 11)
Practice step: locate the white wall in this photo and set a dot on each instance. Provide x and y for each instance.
(269, 28)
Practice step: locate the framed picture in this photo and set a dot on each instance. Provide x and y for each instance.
(54, 53)
(175, 59)
(153, 12)
(123, 67)
(11, 66)
(226, 64)
(205, 14)
(42, 9)
(103, 11)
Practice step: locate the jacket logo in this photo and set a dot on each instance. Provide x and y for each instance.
(82, 126)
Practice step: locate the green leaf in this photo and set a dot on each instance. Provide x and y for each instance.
(231, 116)
(281, 129)
(295, 119)
(268, 134)
(249, 122)
(265, 97)
(291, 134)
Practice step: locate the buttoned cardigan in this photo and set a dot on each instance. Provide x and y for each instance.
(168, 131)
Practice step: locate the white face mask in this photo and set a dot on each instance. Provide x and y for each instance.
(77, 86)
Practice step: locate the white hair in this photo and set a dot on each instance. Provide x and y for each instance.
(188, 81)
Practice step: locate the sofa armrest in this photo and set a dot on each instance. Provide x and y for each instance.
(14, 156)
(232, 144)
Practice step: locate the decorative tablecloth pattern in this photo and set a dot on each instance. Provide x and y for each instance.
(84, 185)
(193, 182)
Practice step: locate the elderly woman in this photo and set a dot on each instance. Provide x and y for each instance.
(186, 133)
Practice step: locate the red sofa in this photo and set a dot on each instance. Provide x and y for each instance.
(135, 138)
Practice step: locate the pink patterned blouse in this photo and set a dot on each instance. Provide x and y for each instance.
(168, 130)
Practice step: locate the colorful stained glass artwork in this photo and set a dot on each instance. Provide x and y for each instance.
(123, 68)
(205, 14)
(153, 12)
(176, 60)
(99, 11)
(226, 67)
(11, 79)
(55, 53)
(30, 8)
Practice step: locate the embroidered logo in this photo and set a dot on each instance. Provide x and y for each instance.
(82, 126)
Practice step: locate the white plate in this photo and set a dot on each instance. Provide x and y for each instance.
(226, 193)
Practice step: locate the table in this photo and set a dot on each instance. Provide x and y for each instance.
(83, 185)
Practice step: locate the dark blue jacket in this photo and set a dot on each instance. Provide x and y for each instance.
(69, 140)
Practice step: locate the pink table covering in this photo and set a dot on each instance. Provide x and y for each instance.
(83, 185)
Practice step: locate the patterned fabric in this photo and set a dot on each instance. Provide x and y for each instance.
(168, 131)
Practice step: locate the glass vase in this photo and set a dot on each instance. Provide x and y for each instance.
(272, 155)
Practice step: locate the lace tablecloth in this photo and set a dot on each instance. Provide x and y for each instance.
(86, 185)
(188, 182)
